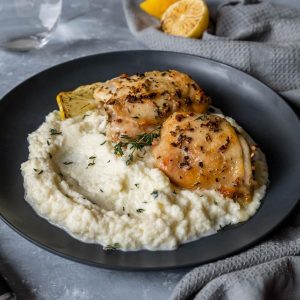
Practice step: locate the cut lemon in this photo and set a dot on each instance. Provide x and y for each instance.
(187, 18)
(156, 8)
(77, 102)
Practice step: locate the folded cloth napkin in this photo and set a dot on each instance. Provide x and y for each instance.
(264, 40)
(260, 38)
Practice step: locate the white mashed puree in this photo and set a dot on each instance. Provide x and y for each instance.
(73, 179)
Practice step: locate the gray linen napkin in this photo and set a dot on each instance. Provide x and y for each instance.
(263, 40)
(260, 38)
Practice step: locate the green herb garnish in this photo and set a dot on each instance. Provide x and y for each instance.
(137, 185)
(67, 163)
(114, 246)
(138, 143)
(102, 143)
(92, 162)
(140, 210)
(54, 132)
(38, 171)
(118, 148)
(129, 159)
(154, 194)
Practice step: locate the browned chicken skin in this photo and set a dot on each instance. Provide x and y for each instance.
(205, 151)
(137, 104)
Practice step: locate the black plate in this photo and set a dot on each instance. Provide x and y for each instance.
(267, 118)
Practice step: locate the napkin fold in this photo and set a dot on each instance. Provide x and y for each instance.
(260, 38)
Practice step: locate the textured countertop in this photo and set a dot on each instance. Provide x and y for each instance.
(86, 28)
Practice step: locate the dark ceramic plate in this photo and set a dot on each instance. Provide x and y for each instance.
(267, 118)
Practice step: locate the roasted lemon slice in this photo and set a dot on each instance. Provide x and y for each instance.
(156, 8)
(77, 102)
(187, 18)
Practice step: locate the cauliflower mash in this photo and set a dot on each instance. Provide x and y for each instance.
(73, 179)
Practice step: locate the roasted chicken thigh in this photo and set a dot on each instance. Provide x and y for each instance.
(207, 152)
(140, 103)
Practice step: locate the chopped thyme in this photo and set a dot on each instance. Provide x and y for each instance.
(154, 194)
(140, 210)
(67, 163)
(108, 161)
(118, 149)
(84, 116)
(48, 143)
(61, 175)
(38, 171)
(50, 155)
(136, 117)
(138, 143)
(114, 246)
(137, 185)
(129, 159)
(102, 143)
(53, 131)
(92, 162)
(123, 208)
(101, 190)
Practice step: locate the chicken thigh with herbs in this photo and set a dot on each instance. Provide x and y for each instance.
(140, 103)
(205, 152)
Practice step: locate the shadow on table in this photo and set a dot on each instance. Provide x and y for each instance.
(17, 284)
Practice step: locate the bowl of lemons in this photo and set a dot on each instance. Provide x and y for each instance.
(185, 18)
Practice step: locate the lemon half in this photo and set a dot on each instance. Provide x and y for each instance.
(78, 101)
(187, 18)
(156, 8)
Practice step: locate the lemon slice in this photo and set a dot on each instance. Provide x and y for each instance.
(156, 8)
(187, 18)
(77, 102)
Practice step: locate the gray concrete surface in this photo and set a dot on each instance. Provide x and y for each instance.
(32, 272)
